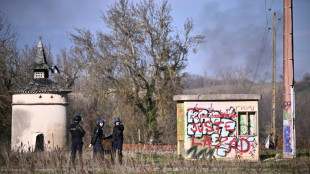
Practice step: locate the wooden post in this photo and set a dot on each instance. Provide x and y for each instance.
(274, 84)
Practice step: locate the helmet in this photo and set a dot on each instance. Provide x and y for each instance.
(78, 118)
(117, 120)
(101, 121)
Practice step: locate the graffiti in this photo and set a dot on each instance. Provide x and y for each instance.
(180, 121)
(287, 143)
(198, 97)
(243, 126)
(245, 108)
(224, 145)
(214, 129)
(204, 153)
(180, 129)
(286, 115)
(201, 113)
(205, 142)
(252, 152)
(241, 145)
(202, 122)
(286, 105)
(209, 125)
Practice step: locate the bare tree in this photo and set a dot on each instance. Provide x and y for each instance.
(8, 53)
(140, 55)
(70, 67)
(8, 67)
(236, 79)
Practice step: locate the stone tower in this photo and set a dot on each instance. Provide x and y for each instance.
(39, 110)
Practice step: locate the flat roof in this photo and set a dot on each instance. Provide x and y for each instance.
(218, 97)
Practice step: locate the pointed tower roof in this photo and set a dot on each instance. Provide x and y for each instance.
(40, 58)
(41, 85)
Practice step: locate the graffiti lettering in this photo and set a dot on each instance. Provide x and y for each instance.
(195, 114)
(245, 108)
(204, 153)
(216, 130)
(225, 144)
(286, 105)
(209, 126)
(205, 142)
(287, 143)
(242, 145)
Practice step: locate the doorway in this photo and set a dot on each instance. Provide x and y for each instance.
(39, 145)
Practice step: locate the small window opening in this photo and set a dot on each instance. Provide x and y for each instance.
(247, 123)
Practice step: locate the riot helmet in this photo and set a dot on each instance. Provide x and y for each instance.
(78, 118)
(117, 120)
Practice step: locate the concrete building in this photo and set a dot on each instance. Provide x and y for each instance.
(221, 126)
(39, 110)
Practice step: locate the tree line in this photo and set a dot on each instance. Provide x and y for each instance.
(131, 70)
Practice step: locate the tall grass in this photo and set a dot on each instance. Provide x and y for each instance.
(59, 161)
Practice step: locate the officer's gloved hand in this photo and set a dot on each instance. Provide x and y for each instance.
(89, 145)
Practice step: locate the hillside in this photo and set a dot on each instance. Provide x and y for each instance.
(302, 92)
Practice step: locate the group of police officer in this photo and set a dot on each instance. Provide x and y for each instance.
(77, 132)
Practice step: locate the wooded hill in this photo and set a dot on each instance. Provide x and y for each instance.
(202, 85)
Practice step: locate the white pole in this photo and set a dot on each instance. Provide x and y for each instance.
(293, 120)
(139, 140)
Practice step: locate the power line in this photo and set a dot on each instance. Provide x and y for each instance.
(265, 36)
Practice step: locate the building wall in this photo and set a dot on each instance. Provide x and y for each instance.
(218, 129)
(34, 114)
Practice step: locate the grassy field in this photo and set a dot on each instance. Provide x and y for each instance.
(60, 162)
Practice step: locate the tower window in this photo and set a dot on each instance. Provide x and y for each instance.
(38, 74)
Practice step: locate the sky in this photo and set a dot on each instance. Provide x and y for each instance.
(238, 33)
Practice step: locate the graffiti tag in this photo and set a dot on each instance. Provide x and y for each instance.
(287, 105)
(287, 143)
(204, 153)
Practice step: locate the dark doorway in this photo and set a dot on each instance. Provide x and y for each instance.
(39, 143)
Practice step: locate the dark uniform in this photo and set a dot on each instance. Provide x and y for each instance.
(97, 138)
(77, 132)
(118, 137)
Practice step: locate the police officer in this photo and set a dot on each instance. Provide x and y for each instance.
(97, 138)
(118, 138)
(77, 132)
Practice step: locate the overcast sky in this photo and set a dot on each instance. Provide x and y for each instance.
(236, 31)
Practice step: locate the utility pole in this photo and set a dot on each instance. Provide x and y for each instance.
(289, 138)
(274, 84)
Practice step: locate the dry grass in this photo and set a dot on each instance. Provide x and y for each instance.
(59, 161)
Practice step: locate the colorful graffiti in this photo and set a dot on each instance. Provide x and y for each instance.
(180, 121)
(286, 115)
(287, 143)
(287, 122)
(204, 153)
(214, 133)
(243, 125)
